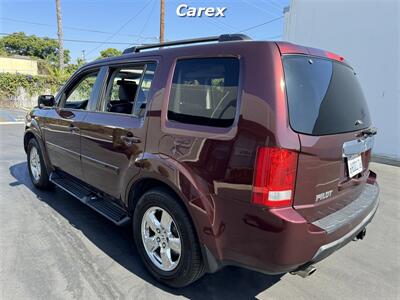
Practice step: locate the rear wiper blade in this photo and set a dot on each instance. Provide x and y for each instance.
(369, 132)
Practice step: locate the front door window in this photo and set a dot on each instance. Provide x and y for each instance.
(79, 95)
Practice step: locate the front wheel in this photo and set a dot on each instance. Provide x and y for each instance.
(37, 168)
(166, 240)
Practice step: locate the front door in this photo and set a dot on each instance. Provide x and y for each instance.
(62, 124)
(114, 135)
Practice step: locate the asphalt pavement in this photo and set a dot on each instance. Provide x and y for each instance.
(54, 247)
(9, 115)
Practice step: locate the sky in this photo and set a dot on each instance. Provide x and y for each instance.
(94, 25)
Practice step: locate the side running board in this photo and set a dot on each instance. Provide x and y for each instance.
(105, 207)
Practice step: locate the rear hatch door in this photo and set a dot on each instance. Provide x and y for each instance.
(328, 110)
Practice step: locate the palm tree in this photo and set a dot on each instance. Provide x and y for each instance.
(60, 35)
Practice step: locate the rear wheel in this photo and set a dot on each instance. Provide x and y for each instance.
(166, 240)
(37, 169)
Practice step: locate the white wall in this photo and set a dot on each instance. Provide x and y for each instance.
(367, 34)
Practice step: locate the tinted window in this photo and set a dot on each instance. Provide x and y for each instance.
(78, 97)
(324, 96)
(204, 91)
(122, 90)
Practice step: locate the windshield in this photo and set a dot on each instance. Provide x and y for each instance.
(324, 96)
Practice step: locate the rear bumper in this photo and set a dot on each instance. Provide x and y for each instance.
(280, 240)
(369, 198)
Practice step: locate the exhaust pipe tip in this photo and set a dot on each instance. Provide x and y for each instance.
(305, 272)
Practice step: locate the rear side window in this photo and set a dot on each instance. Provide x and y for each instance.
(324, 96)
(128, 89)
(204, 91)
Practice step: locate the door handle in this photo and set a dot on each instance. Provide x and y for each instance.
(130, 140)
(73, 129)
(65, 114)
(182, 142)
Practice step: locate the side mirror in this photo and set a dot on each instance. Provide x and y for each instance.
(46, 100)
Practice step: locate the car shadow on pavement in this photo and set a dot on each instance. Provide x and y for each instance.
(117, 243)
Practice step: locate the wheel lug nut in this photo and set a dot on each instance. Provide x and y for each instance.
(163, 245)
(158, 230)
(158, 239)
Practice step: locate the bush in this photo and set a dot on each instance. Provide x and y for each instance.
(33, 85)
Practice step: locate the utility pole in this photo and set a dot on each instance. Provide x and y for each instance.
(60, 35)
(83, 55)
(162, 23)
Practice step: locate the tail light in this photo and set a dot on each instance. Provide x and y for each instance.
(334, 56)
(274, 177)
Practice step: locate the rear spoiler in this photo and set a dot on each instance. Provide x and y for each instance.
(289, 48)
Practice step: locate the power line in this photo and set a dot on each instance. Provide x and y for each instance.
(96, 42)
(259, 8)
(273, 4)
(73, 28)
(273, 37)
(148, 17)
(262, 24)
(120, 28)
(77, 41)
(210, 20)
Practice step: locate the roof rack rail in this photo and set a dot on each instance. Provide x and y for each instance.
(217, 38)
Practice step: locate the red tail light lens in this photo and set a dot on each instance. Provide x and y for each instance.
(274, 177)
(334, 56)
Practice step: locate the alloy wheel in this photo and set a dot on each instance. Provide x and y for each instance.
(161, 238)
(34, 163)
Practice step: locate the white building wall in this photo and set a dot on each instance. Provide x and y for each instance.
(367, 34)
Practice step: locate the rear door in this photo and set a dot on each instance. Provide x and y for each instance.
(114, 132)
(328, 111)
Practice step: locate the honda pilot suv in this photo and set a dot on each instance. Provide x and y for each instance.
(217, 151)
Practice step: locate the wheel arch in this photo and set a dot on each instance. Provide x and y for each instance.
(27, 137)
(144, 184)
(34, 133)
(32, 130)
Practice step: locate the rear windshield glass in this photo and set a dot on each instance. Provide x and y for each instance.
(324, 96)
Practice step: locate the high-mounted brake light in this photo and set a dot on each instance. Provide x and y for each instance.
(274, 177)
(334, 56)
(289, 48)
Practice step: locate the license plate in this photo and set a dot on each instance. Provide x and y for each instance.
(354, 165)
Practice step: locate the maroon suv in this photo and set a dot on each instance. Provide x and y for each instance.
(226, 151)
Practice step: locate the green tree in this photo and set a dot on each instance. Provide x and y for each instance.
(19, 43)
(110, 52)
(71, 68)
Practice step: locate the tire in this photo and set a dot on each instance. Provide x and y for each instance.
(186, 267)
(37, 169)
